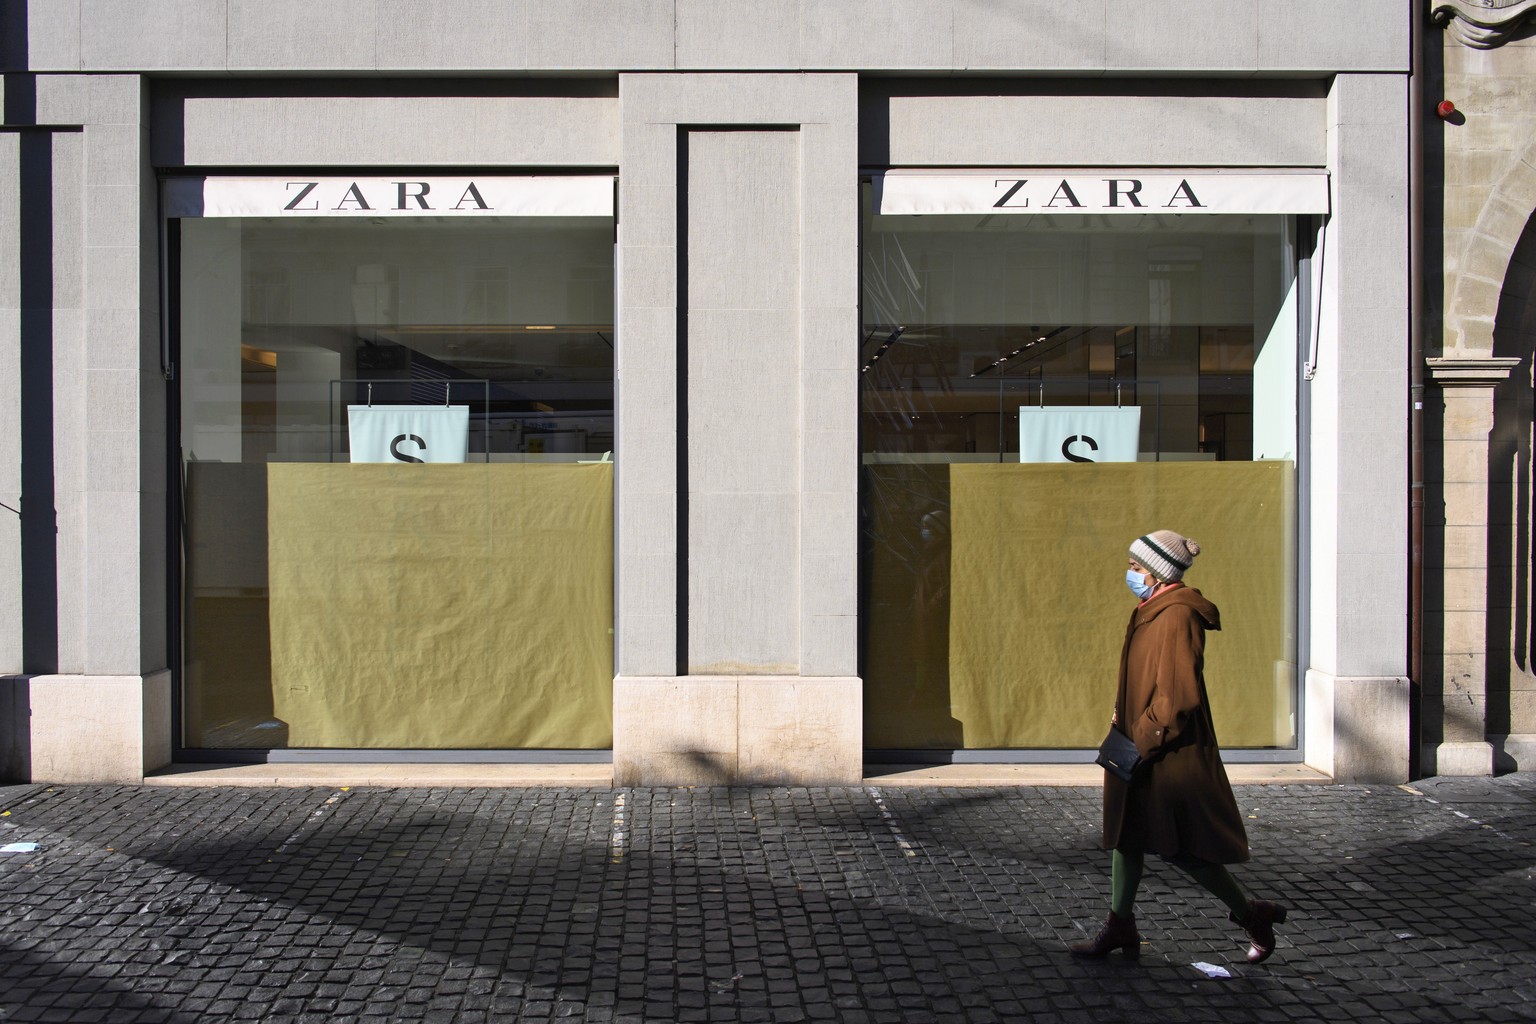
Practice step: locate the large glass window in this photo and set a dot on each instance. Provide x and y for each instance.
(1037, 391)
(338, 595)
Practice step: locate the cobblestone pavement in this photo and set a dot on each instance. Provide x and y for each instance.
(861, 904)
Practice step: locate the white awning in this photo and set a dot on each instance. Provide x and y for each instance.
(1047, 191)
(394, 196)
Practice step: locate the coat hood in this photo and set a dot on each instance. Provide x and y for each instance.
(1180, 597)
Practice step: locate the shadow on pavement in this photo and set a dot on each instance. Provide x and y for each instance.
(676, 905)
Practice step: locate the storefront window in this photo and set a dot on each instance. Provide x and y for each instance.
(1037, 391)
(396, 444)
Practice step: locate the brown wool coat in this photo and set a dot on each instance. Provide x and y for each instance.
(1179, 804)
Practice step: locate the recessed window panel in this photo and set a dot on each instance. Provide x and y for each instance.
(396, 447)
(1036, 392)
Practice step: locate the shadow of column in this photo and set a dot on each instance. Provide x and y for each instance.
(1510, 585)
(39, 515)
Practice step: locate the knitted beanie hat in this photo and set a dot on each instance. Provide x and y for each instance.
(1165, 554)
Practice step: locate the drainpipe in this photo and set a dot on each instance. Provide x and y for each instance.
(1418, 20)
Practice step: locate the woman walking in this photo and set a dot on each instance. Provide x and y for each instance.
(1178, 804)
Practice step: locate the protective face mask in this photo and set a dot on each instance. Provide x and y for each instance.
(1133, 579)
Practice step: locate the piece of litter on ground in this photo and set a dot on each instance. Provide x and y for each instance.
(19, 848)
(1405, 935)
(1211, 970)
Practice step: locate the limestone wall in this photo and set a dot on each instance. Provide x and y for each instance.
(1479, 588)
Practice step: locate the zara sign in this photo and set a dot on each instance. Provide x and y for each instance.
(1055, 192)
(397, 197)
(415, 195)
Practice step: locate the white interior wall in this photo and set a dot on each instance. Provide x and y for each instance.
(211, 282)
(544, 270)
(1276, 361)
(304, 403)
(956, 270)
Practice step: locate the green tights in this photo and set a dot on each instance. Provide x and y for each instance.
(1125, 876)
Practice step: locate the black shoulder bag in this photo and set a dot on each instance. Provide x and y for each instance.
(1118, 755)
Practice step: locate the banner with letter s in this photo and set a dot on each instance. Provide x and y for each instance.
(408, 433)
(1079, 433)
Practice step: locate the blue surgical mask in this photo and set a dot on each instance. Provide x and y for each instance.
(1136, 581)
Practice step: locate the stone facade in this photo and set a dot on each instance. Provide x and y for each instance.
(1479, 709)
(744, 652)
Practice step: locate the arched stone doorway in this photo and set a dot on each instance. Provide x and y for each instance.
(1511, 559)
(1479, 687)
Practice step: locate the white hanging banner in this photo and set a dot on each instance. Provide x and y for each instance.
(1079, 433)
(408, 433)
(1026, 191)
(395, 196)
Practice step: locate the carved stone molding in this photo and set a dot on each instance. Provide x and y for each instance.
(1475, 372)
(1481, 24)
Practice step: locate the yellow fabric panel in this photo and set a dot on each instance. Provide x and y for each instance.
(227, 681)
(1039, 602)
(906, 608)
(227, 697)
(463, 606)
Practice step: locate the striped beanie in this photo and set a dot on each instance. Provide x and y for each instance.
(1165, 554)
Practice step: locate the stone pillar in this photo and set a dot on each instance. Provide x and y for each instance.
(1455, 701)
(737, 453)
(90, 699)
(1357, 690)
(11, 319)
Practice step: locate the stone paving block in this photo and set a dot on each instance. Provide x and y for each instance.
(718, 904)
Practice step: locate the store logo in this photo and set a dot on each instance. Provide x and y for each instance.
(395, 434)
(1071, 456)
(394, 447)
(1119, 193)
(308, 197)
(1091, 434)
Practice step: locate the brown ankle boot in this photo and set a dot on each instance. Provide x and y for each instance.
(1117, 933)
(1260, 923)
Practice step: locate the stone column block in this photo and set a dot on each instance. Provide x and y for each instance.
(1355, 727)
(1456, 680)
(737, 730)
(85, 729)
